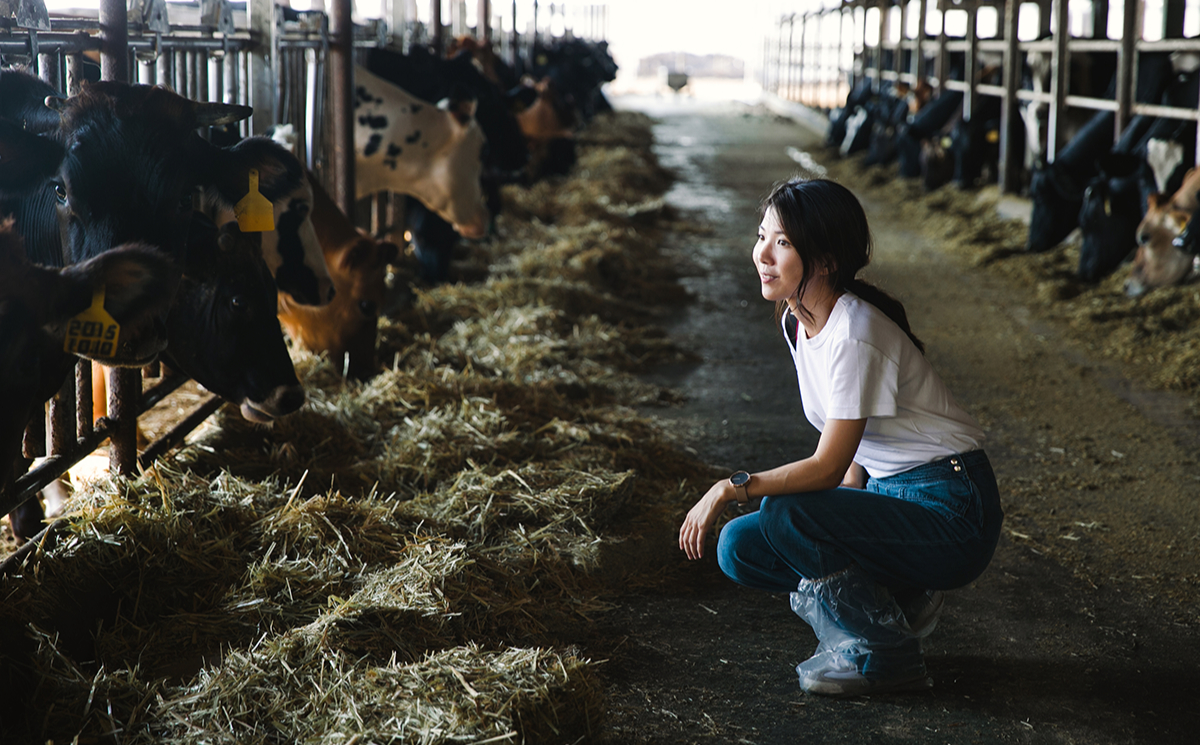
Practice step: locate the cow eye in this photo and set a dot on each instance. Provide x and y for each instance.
(367, 307)
(237, 302)
(60, 191)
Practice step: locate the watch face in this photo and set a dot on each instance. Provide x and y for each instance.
(740, 478)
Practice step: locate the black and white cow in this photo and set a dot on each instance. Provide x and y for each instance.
(410, 146)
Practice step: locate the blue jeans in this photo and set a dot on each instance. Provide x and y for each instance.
(934, 527)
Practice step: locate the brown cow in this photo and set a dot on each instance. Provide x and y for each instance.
(1158, 263)
(548, 126)
(358, 264)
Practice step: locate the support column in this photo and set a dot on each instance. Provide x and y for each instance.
(341, 100)
(1059, 67)
(1131, 31)
(114, 41)
(1010, 157)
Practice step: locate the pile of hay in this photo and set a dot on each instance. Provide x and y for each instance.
(405, 559)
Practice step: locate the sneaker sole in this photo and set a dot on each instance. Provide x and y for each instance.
(837, 689)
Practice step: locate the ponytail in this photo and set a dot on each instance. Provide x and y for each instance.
(888, 305)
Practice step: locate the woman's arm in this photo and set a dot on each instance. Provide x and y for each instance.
(824, 469)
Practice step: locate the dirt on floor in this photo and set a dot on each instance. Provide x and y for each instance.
(1084, 628)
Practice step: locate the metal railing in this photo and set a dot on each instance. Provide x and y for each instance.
(805, 67)
(255, 53)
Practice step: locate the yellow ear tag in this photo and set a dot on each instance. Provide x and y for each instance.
(1108, 208)
(93, 333)
(255, 213)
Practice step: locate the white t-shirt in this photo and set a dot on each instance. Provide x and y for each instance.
(862, 365)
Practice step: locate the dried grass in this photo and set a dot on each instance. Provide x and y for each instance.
(399, 561)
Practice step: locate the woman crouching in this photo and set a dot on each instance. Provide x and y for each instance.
(897, 504)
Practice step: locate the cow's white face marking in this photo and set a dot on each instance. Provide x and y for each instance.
(1164, 156)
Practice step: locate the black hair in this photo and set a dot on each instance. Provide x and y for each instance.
(827, 227)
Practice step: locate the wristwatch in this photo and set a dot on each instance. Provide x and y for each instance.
(740, 481)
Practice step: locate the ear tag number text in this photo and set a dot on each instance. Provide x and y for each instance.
(93, 333)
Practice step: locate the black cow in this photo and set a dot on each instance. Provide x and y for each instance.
(1057, 189)
(926, 124)
(222, 327)
(36, 304)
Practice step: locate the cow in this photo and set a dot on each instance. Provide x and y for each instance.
(892, 109)
(1159, 262)
(407, 145)
(222, 328)
(577, 68)
(346, 329)
(549, 127)
(36, 306)
(1056, 189)
(929, 123)
(291, 250)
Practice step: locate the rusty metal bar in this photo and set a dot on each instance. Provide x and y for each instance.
(114, 37)
(1011, 158)
(124, 399)
(34, 443)
(1060, 64)
(1131, 31)
(60, 436)
(341, 100)
(83, 400)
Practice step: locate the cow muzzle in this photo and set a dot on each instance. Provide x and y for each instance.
(283, 401)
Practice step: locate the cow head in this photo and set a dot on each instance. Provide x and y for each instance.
(291, 250)
(1108, 219)
(348, 326)
(36, 303)
(132, 165)
(222, 327)
(1158, 263)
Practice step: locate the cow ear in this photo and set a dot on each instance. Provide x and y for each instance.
(219, 114)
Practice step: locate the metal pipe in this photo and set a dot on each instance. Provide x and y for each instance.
(83, 400)
(341, 99)
(436, 32)
(124, 398)
(1060, 62)
(114, 41)
(483, 25)
(1010, 157)
(1131, 16)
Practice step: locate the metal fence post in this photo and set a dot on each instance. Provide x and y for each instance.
(1131, 31)
(261, 18)
(341, 99)
(1010, 157)
(1059, 67)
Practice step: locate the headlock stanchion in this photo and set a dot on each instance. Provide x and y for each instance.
(878, 41)
(275, 59)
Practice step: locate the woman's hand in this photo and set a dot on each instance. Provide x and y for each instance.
(702, 516)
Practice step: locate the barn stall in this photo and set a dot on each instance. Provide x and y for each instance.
(407, 558)
(829, 58)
